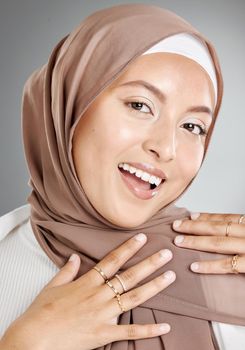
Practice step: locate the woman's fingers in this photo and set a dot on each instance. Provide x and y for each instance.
(67, 273)
(223, 266)
(217, 244)
(216, 217)
(137, 273)
(112, 262)
(135, 331)
(212, 228)
(140, 294)
(217, 236)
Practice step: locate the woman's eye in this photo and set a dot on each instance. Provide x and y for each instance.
(137, 106)
(195, 129)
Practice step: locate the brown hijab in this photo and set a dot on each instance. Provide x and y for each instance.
(63, 220)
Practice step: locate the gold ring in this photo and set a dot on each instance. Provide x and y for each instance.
(120, 303)
(234, 263)
(241, 219)
(112, 287)
(117, 295)
(98, 269)
(227, 228)
(120, 280)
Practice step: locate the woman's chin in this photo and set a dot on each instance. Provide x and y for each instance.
(127, 224)
(128, 221)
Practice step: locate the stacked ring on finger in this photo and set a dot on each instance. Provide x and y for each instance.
(101, 272)
(241, 219)
(117, 294)
(234, 264)
(227, 228)
(235, 257)
(120, 280)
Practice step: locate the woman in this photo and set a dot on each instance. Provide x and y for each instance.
(109, 154)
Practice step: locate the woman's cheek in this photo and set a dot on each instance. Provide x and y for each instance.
(126, 136)
(191, 158)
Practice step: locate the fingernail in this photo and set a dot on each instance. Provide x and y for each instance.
(195, 266)
(179, 239)
(177, 223)
(72, 257)
(169, 275)
(194, 216)
(166, 253)
(140, 237)
(164, 327)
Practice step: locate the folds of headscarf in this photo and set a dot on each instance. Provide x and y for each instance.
(55, 97)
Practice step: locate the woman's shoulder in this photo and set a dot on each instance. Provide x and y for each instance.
(24, 267)
(16, 234)
(12, 219)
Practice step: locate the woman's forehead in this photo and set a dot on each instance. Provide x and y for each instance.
(155, 64)
(159, 72)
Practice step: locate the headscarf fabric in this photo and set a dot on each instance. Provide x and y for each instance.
(55, 96)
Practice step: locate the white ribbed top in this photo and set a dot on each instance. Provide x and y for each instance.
(25, 269)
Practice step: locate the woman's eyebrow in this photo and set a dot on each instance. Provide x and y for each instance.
(162, 97)
(201, 109)
(158, 93)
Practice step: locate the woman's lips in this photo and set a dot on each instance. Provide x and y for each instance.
(135, 188)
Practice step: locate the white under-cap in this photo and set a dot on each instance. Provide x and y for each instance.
(190, 46)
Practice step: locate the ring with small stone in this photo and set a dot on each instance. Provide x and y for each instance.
(234, 263)
(241, 219)
(228, 228)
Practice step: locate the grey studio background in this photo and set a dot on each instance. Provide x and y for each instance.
(30, 29)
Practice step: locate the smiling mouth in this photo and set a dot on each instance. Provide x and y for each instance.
(140, 188)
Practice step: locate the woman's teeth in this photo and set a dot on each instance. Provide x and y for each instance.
(154, 180)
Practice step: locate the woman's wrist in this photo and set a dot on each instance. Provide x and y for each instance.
(15, 339)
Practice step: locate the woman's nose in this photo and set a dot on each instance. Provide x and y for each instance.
(162, 143)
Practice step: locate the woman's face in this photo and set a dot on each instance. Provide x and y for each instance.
(161, 131)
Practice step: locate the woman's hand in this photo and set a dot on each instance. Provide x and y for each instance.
(82, 314)
(211, 233)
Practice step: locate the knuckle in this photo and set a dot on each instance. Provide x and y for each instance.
(215, 227)
(190, 240)
(132, 331)
(227, 217)
(187, 225)
(150, 330)
(134, 297)
(159, 282)
(205, 267)
(225, 265)
(219, 241)
(113, 258)
(154, 260)
(207, 216)
(131, 244)
(128, 276)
